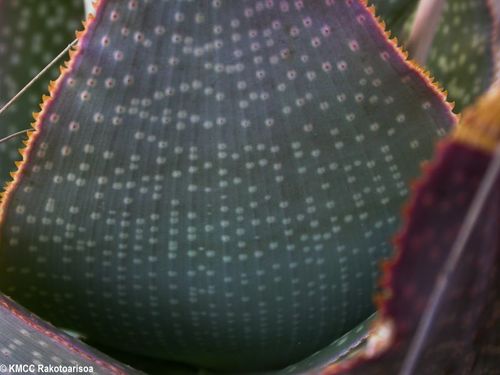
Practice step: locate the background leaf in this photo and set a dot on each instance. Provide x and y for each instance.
(212, 181)
(32, 33)
(461, 57)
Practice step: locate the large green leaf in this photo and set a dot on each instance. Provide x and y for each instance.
(215, 180)
(31, 33)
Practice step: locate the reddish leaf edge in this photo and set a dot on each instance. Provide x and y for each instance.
(83, 35)
(478, 131)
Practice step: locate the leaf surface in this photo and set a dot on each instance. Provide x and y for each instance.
(214, 180)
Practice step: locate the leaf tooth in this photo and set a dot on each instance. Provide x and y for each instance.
(79, 33)
(52, 85)
(72, 53)
(15, 175)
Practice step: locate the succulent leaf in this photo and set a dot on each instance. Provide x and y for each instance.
(27, 340)
(31, 33)
(461, 56)
(447, 203)
(213, 180)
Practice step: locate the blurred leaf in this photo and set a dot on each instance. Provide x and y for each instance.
(340, 349)
(396, 14)
(212, 181)
(461, 56)
(32, 33)
(495, 8)
(425, 24)
(488, 343)
(442, 283)
(26, 340)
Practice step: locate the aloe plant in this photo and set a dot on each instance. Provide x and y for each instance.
(31, 34)
(215, 184)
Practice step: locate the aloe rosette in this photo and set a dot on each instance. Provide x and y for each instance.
(213, 180)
